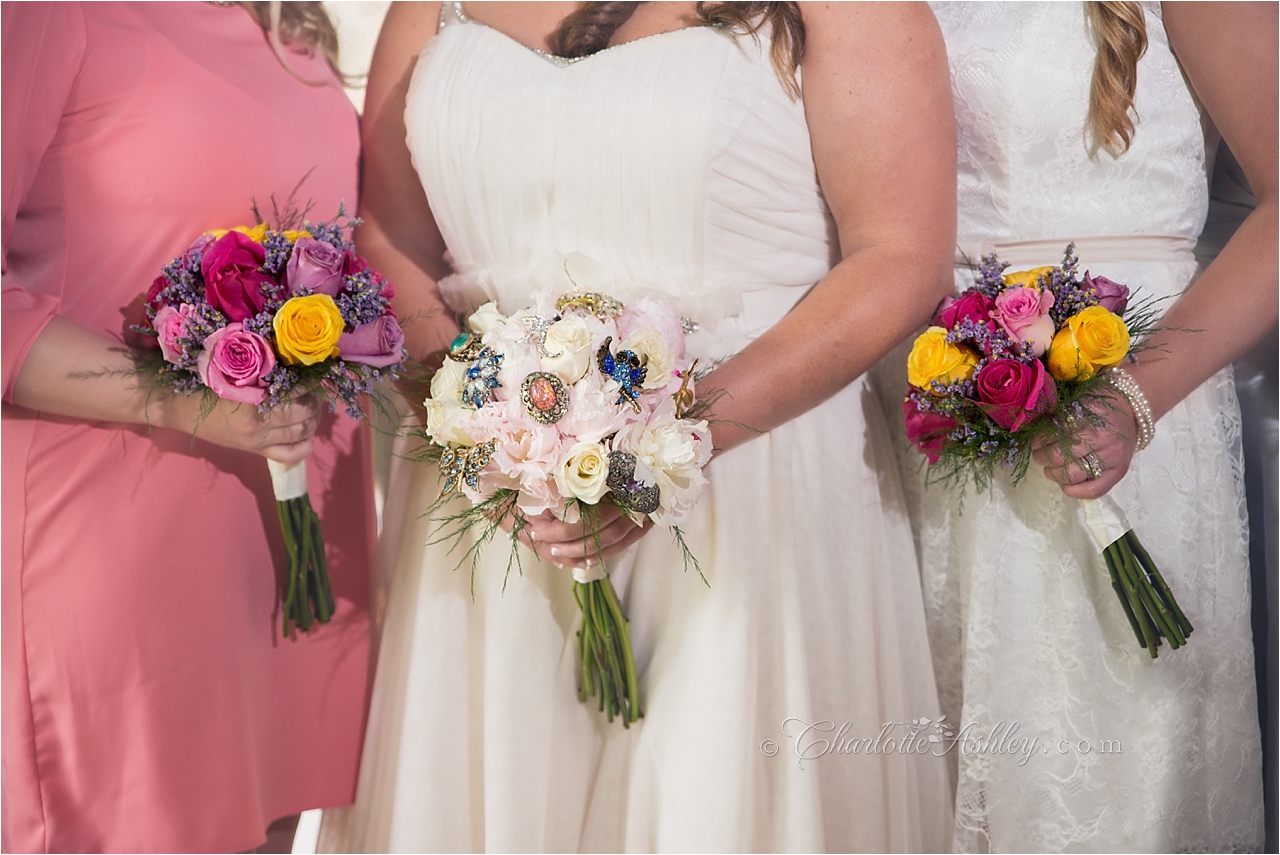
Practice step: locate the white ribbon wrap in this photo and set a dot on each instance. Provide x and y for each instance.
(593, 572)
(1104, 520)
(288, 482)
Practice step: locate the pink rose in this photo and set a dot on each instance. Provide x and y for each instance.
(972, 304)
(171, 325)
(234, 362)
(315, 265)
(927, 431)
(1024, 314)
(378, 343)
(1112, 296)
(1014, 392)
(233, 279)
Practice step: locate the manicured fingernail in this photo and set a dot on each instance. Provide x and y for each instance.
(555, 551)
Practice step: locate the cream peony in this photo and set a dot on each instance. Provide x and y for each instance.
(582, 472)
(570, 338)
(649, 344)
(670, 453)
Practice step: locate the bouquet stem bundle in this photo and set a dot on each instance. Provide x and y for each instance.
(1147, 601)
(308, 597)
(604, 651)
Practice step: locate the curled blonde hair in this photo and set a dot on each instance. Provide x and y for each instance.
(301, 26)
(1120, 31)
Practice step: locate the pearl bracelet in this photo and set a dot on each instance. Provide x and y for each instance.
(1127, 386)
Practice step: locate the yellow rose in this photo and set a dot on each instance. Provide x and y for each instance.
(934, 358)
(292, 237)
(1089, 341)
(308, 329)
(256, 233)
(1027, 278)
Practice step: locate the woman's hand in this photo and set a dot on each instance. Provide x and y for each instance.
(572, 544)
(283, 434)
(78, 373)
(1108, 447)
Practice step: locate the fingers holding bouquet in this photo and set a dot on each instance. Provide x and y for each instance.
(607, 533)
(1101, 448)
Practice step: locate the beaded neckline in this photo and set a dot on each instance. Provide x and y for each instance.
(561, 61)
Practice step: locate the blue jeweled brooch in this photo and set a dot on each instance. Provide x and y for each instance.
(625, 368)
(482, 378)
(461, 465)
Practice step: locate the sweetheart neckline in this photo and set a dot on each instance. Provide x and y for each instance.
(563, 61)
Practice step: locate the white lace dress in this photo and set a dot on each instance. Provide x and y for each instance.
(1130, 754)
(678, 161)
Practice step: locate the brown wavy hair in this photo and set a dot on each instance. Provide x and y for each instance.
(1120, 31)
(589, 28)
(302, 26)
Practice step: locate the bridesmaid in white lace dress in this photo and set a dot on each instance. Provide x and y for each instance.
(806, 236)
(1131, 754)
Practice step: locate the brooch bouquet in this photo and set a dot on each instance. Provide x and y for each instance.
(573, 401)
(1025, 357)
(257, 315)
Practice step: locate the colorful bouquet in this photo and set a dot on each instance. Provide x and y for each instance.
(257, 315)
(1023, 358)
(565, 404)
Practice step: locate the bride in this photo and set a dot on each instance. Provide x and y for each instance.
(804, 231)
(1082, 122)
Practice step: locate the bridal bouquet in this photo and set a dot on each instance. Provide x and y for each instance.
(573, 401)
(256, 315)
(1025, 357)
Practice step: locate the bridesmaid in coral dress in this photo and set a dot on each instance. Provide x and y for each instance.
(149, 703)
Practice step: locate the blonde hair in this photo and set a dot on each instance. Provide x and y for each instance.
(303, 26)
(1120, 31)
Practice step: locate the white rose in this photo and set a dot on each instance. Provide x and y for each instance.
(671, 453)
(659, 361)
(582, 473)
(486, 318)
(447, 382)
(447, 422)
(571, 339)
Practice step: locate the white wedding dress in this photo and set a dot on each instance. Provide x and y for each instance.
(677, 161)
(1132, 754)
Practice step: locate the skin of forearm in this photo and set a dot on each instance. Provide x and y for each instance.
(73, 371)
(1228, 309)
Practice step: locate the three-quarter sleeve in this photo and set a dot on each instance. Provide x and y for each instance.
(41, 53)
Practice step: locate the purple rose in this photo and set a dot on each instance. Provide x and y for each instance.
(1024, 314)
(1014, 392)
(927, 431)
(170, 325)
(378, 343)
(1112, 296)
(316, 266)
(200, 244)
(234, 362)
(233, 279)
(971, 304)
